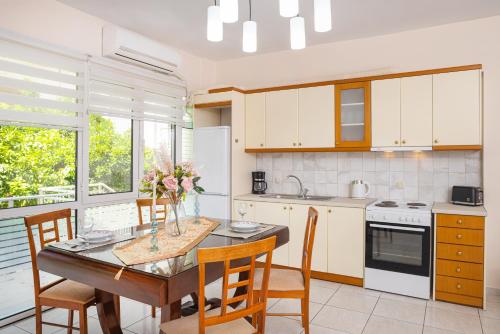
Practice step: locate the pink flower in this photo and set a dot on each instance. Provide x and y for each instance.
(187, 184)
(170, 183)
(149, 177)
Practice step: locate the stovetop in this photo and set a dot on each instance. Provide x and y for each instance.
(400, 212)
(401, 205)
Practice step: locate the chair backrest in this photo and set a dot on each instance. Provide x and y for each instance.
(312, 220)
(148, 202)
(48, 231)
(226, 255)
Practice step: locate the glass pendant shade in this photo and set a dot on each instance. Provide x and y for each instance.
(297, 33)
(249, 36)
(214, 24)
(229, 11)
(322, 15)
(289, 8)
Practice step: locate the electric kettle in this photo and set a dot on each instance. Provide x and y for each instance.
(359, 189)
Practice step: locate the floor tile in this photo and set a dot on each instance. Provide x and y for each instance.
(146, 326)
(432, 330)
(359, 289)
(293, 306)
(314, 329)
(94, 327)
(451, 320)
(58, 315)
(132, 311)
(452, 307)
(400, 310)
(394, 296)
(11, 329)
(492, 310)
(325, 284)
(340, 319)
(283, 325)
(320, 295)
(271, 302)
(354, 301)
(490, 325)
(379, 325)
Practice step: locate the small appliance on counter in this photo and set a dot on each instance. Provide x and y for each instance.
(465, 195)
(259, 184)
(359, 189)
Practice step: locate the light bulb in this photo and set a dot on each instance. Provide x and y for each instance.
(214, 24)
(249, 36)
(229, 11)
(289, 8)
(322, 15)
(297, 33)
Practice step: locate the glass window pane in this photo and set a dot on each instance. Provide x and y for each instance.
(157, 138)
(110, 155)
(187, 144)
(37, 166)
(114, 217)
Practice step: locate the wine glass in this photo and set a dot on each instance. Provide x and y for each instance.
(88, 224)
(242, 210)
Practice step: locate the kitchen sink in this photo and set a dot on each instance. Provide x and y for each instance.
(306, 198)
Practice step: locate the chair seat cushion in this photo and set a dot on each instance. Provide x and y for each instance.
(189, 325)
(70, 291)
(281, 280)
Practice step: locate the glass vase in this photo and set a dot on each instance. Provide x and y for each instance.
(176, 224)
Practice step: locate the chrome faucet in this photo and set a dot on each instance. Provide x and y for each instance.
(302, 191)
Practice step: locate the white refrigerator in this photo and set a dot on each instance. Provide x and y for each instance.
(212, 160)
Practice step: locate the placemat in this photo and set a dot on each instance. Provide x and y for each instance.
(226, 232)
(78, 245)
(139, 250)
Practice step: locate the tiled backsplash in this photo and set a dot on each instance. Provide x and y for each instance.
(424, 176)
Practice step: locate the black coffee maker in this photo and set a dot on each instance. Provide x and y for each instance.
(259, 184)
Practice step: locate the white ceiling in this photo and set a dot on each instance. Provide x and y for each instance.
(182, 23)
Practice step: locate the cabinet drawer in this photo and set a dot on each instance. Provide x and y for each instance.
(472, 222)
(459, 269)
(460, 253)
(460, 236)
(459, 299)
(459, 286)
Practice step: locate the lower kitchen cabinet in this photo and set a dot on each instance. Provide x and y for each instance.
(298, 221)
(346, 234)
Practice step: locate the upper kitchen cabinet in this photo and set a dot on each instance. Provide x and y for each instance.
(386, 112)
(255, 120)
(352, 115)
(457, 108)
(316, 117)
(281, 119)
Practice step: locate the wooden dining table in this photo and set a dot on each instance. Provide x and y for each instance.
(162, 284)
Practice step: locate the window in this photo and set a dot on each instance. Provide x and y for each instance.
(110, 155)
(157, 138)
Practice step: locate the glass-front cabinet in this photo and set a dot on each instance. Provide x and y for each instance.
(352, 115)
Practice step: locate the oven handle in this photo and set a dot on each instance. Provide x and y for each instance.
(402, 228)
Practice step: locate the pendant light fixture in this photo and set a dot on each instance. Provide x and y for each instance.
(289, 8)
(229, 11)
(250, 33)
(214, 23)
(297, 33)
(322, 15)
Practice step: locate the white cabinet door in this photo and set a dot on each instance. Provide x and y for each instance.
(416, 111)
(346, 234)
(255, 120)
(386, 112)
(282, 119)
(245, 206)
(298, 221)
(316, 117)
(457, 108)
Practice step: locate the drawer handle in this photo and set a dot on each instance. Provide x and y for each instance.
(459, 253)
(459, 222)
(459, 286)
(458, 269)
(291, 208)
(251, 205)
(329, 210)
(284, 208)
(459, 236)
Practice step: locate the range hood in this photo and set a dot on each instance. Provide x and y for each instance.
(401, 148)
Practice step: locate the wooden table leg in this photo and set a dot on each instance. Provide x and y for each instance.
(106, 309)
(242, 276)
(171, 311)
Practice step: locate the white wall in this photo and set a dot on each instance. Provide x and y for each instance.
(59, 24)
(456, 44)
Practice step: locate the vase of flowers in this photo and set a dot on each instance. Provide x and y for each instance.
(173, 182)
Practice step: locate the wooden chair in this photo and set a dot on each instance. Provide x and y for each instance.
(226, 320)
(62, 293)
(161, 214)
(290, 283)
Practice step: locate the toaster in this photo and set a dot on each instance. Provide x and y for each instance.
(465, 195)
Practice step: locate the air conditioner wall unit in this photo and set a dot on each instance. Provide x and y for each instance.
(129, 47)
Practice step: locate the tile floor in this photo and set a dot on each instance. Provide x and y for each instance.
(334, 309)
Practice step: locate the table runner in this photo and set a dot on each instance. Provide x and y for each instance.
(139, 250)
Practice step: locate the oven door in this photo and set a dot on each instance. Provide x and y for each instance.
(399, 248)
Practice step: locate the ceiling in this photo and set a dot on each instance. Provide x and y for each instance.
(182, 23)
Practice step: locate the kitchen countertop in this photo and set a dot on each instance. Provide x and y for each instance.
(335, 201)
(453, 209)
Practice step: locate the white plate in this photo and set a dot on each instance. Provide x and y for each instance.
(244, 231)
(244, 226)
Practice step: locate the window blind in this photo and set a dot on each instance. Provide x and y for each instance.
(40, 86)
(123, 93)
